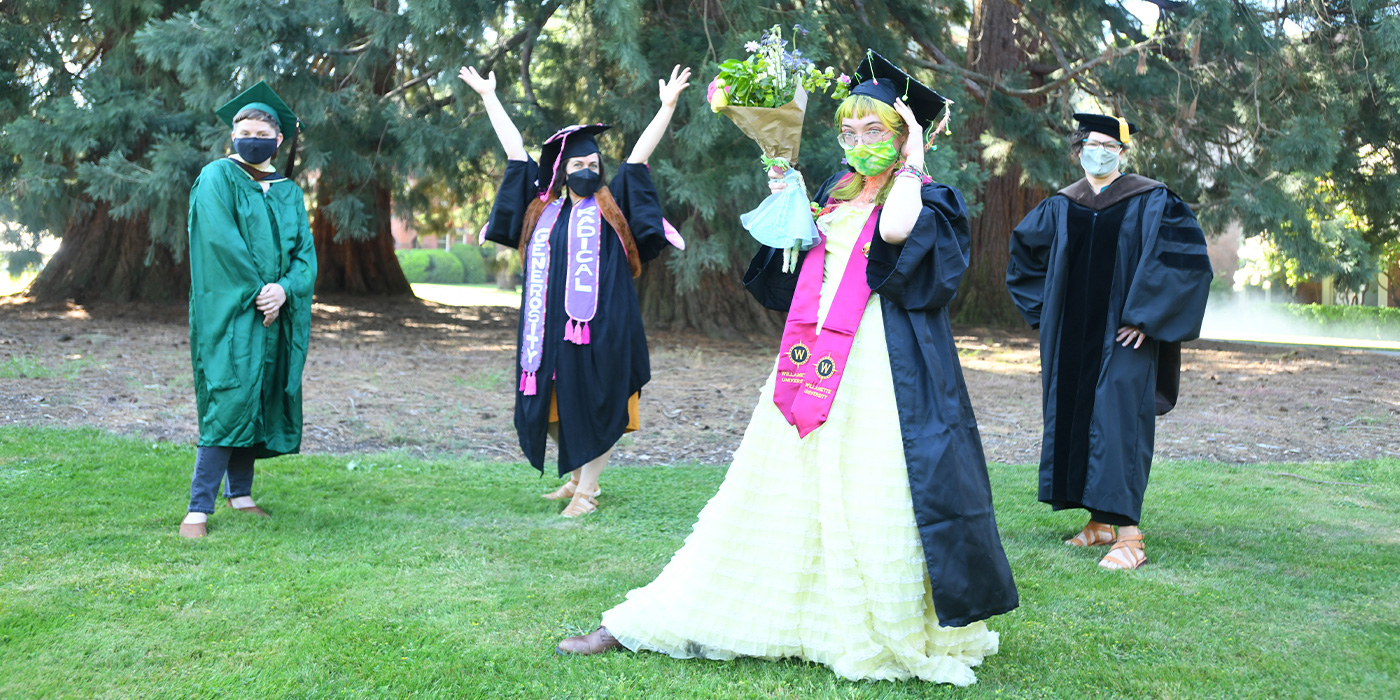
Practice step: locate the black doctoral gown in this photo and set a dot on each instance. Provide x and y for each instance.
(593, 382)
(952, 496)
(1083, 265)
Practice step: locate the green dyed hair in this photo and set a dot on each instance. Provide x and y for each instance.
(859, 107)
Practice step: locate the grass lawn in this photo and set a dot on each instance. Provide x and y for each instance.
(384, 576)
(467, 295)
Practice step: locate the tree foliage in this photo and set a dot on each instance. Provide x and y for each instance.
(1282, 116)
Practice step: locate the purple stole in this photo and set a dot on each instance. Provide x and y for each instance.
(581, 293)
(812, 363)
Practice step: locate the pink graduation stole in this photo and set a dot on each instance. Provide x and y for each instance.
(811, 364)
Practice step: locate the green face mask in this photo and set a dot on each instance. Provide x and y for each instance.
(872, 159)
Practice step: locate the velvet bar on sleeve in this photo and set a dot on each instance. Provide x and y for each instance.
(1167, 299)
(247, 377)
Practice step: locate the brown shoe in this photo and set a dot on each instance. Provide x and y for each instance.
(254, 510)
(193, 531)
(596, 642)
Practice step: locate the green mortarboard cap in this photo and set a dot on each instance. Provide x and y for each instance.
(262, 97)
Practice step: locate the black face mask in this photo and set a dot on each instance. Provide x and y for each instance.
(255, 150)
(584, 182)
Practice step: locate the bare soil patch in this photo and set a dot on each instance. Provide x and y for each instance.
(436, 379)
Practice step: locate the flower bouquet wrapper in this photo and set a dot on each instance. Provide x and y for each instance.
(776, 130)
(784, 219)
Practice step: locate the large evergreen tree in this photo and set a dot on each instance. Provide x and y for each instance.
(1281, 116)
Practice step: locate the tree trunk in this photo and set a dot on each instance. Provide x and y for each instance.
(719, 307)
(983, 299)
(103, 258)
(352, 266)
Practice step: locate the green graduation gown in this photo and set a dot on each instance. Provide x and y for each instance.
(247, 378)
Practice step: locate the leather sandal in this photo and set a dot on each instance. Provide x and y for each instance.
(567, 491)
(595, 642)
(1127, 554)
(1093, 535)
(582, 504)
(250, 509)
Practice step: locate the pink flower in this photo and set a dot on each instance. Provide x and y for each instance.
(844, 79)
(718, 95)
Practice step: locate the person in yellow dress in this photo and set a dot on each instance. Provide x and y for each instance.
(854, 527)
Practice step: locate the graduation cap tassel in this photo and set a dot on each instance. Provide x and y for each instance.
(292, 155)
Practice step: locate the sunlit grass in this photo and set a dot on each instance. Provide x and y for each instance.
(467, 295)
(386, 576)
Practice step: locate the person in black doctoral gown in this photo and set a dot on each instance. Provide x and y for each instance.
(1113, 272)
(583, 384)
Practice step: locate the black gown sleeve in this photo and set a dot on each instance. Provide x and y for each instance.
(765, 278)
(635, 195)
(1031, 243)
(508, 211)
(923, 273)
(1167, 298)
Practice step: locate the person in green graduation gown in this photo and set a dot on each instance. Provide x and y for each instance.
(1113, 272)
(252, 270)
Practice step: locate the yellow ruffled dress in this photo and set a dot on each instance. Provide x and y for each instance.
(809, 549)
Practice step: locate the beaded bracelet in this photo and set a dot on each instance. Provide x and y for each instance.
(914, 172)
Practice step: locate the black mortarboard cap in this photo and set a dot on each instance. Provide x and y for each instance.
(876, 77)
(569, 142)
(1108, 126)
(262, 97)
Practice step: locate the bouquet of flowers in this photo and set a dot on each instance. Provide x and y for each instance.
(765, 95)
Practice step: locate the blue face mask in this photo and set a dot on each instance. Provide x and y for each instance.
(1098, 162)
(255, 151)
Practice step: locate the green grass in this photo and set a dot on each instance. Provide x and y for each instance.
(404, 578)
(467, 295)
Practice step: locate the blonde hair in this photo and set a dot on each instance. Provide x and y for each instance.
(859, 107)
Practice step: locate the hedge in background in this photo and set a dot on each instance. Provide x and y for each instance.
(430, 266)
(1372, 322)
(473, 263)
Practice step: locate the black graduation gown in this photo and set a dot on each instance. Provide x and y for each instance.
(1082, 266)
(952, 495)
(593, 382)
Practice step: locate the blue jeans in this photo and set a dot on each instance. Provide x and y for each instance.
(211, 466)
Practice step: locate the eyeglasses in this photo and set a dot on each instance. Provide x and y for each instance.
(1110, 146)
(850, 139)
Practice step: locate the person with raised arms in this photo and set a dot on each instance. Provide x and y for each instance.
(582, 358)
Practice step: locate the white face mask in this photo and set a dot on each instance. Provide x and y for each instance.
(1098, 162)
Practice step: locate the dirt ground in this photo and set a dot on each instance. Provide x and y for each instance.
(437, 380)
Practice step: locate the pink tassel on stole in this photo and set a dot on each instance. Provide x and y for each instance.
(527, 384)
(583, 333)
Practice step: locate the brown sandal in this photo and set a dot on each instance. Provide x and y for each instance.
(582, 504)
(567, 491)
(1127, 554)
(561, 493)
(1093, 535)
